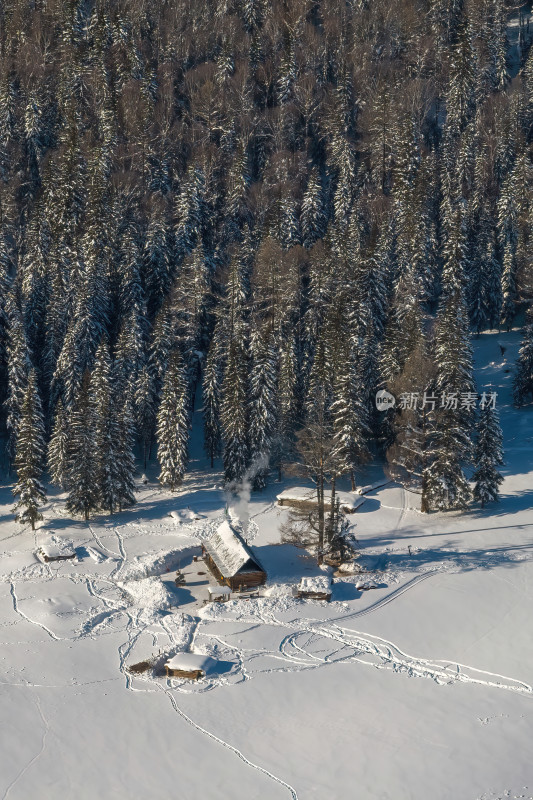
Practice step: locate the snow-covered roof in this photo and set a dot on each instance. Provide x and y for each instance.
(188, 662)
(229, 551)
(219, 590)
(372, 486)
(320, 583)
(302, 494)
(51, 551)
(299, 493)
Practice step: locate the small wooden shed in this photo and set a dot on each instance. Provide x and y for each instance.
(231, 560)
(317, 588)
(303, 497)
(219, 594)
(193, 666)
(49, 553)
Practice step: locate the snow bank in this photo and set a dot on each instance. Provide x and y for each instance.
(152, 564)
(149, 595)
(186, 515)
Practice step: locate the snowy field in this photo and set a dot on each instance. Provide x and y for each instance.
(419, 689)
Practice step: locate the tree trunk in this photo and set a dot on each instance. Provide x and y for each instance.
(352, 478)
(320, 498)
(331, 527)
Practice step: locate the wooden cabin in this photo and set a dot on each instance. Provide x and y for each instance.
(303, 497)
(47, 554)
(231, 560)
(317, 588)
(192, 666)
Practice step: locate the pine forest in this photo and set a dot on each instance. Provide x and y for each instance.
(268, 211)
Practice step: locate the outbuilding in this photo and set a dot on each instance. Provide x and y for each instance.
(49, 553)
(193, 666)
(303, 497)
(316, 588)
(231, 560)
(219, 594)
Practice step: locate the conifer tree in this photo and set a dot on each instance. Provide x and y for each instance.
(235, 388)
(173, 425)
(30, 453)
(523, 378)
(58, 448)
(18, 367)
(106, 442)
(488, 455)
(211, 406)
(82, 486)
(233, 414)
(263, 406)
(125, 424)
(145, 407)
(444, 484)
(350, 416)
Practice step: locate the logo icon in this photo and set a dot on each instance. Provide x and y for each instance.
(384, 400)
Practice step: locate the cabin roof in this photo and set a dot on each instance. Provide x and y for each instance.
(219, 590)
(189, 662)
(230, 552)
(319, 583)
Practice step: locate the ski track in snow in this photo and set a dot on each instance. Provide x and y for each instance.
(305, 643)
(35, 757)
(100, 543)
(225, 744)
(26, 618)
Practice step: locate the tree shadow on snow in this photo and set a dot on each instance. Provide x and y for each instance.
(463, 560)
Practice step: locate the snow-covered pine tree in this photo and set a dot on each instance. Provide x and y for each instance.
(444, 485)
(460, 97)
(508, 241)
(349, 415)
(191, 211)
(18, 367)
(233, 412)
(488, 455)
(313, 218)
(262, 405)
(82, 487)
(156, 257)
(145, 410)
(105, 430)
(211, 403)
(58, 448)
(235, 384)
(173, 424)
(125, 459)
(289, 401)
(30, 454)
(523, 378)
(485, 287)
(412, 419)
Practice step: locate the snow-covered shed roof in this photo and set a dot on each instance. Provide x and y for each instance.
(320, 583)
(189, 662)
(219, 590)
(230, 552)
(302, 494)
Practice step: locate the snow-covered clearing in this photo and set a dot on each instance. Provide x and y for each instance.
(421, 688)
